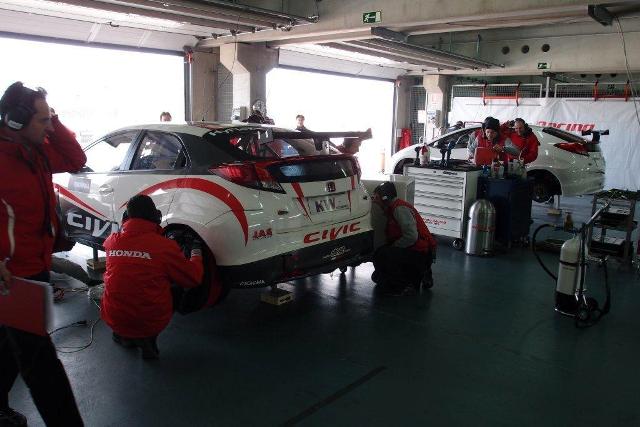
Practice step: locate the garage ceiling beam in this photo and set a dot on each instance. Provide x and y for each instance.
(341, 17)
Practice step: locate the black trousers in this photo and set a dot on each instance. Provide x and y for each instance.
(35, 358)
(398, 267)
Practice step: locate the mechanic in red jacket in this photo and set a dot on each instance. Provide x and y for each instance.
(491, 135)
(405, 261)
(33, 145)
(141, 266)
(526, 141)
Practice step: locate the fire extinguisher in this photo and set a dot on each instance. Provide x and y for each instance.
(405, 138)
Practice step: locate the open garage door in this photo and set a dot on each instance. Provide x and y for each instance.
(96, 90)
(335, 103)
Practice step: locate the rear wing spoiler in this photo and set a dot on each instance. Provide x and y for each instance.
(323, 136)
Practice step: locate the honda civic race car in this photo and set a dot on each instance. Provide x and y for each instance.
(270, 204)
(567, 164)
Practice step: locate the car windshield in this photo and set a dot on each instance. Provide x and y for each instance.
(253, 144)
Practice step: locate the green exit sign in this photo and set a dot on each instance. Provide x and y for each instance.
(371, 17)
(543, 65)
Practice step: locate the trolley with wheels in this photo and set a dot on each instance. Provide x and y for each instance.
(443, 197)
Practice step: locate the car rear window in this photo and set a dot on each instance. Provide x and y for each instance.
(314, 170)
(252, 145)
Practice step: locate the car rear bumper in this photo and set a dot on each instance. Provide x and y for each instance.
(317, 259)
(587, 184)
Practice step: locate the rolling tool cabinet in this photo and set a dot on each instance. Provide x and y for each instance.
(617, 220)
(443, 197)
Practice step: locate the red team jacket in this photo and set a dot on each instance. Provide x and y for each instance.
(141, 265)
(425, 242)
(527, 144)
(27, 197)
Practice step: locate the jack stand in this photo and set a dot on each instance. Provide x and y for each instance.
(276, 296)
(96, 266)
(555, 210)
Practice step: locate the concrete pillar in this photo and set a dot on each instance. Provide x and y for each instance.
(249, 65)
(436, 87)
(202, 84)
(402, 107)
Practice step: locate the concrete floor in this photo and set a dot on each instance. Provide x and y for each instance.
(483, 347)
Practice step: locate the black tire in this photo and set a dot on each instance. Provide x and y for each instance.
(399, 169)
(544, 188)
(457, 244)
(195, 299)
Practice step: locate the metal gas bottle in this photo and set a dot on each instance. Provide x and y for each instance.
(569, 274)
(481, 229)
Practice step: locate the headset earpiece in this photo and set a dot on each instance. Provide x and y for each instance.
(158, 217)
(18, 115)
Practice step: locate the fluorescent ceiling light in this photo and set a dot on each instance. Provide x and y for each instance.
(39, 6)
(316, 49)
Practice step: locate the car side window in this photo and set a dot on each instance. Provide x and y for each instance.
(159, 151)
(109, 154)
(458, 140)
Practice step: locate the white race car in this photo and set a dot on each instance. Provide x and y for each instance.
(567, 164)
(271, 204)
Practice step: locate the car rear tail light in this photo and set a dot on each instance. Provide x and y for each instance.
(573, 147)
(248, 175)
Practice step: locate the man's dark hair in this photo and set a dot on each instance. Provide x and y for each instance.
(491, 123)
(141, 206)
(18, 96)
(299, 116)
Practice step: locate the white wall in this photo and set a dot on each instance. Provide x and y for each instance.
(97, 90)
(335, 103)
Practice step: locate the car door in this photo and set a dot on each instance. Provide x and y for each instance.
(158, 161)
(87, 198)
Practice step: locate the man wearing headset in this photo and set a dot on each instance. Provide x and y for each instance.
(33, 145)
(141, 266)
(405, 261)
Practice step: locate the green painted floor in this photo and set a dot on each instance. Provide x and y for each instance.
(483, 347)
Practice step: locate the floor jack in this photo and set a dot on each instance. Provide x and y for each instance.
(570, 297)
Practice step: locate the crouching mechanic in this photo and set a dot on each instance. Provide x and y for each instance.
(405, 261)
(141, 266)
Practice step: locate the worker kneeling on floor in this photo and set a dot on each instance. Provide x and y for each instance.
(404, 263)
(141, 266)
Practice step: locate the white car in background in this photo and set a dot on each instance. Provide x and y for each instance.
(270, 204)
(567, 164)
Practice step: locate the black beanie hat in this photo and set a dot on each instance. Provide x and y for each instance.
(491, 123)
(141, 206)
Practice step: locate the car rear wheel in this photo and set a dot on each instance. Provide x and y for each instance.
(545, 186)
(211, 291)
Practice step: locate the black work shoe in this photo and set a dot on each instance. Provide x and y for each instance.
(11, 418)
(125, 342)
(149, 348)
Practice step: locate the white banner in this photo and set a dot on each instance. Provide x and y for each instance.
(621, 149)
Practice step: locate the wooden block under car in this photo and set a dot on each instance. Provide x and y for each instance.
(276, 296)
(97, 265)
